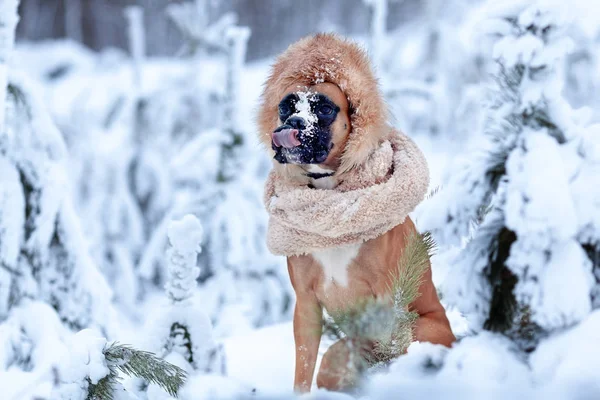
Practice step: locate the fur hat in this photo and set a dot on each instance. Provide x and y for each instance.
(329, 58)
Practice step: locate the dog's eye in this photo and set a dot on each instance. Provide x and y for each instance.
(284, 109)
(325, 110)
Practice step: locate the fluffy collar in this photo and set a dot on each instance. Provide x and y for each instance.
(370, 200)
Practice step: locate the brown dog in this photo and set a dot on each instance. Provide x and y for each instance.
(324, 119)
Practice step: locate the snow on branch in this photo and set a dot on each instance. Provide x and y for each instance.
(185, 237)
(91, 369)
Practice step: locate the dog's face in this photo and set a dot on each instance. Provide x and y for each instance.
(314, 126)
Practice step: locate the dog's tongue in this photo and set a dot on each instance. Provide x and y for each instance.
(287, 138)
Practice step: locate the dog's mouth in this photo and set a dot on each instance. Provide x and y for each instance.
(295, 146)
(286, 137)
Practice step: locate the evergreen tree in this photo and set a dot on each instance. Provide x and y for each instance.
(183, 331)
(44, 255)
(527, 199)
(48, 283)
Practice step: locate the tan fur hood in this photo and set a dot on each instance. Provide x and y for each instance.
(329, 58)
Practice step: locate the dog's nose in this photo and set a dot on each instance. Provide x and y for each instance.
(296, 123)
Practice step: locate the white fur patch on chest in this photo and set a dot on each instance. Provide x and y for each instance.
(335, 263)
(328, 182)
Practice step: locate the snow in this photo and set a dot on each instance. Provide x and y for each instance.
(532, 201)
(84, 358)
(304, 111)
(189, 315)
(263, 359)
(571, 358)
(11, 220)
(186, 234)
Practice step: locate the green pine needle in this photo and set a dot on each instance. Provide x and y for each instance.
(140, 364)
(413, 263)
(388, 326)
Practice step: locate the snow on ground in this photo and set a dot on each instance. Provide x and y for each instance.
(263, 358)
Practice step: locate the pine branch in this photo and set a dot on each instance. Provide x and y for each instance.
(413, 263)
(433, 192)
(388, 327)
(140, 364)
(105, 388)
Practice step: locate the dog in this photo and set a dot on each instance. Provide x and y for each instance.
(322, 117)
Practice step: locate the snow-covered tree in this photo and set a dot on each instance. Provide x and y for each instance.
(528, 198)
(10, 192)
(241, 283)
(89, 101)
(48, 282)
(582, 64)
(44, 254)
(183, 331)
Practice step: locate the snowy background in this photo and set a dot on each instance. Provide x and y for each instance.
(131, 192)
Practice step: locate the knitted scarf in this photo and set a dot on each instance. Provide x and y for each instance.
(369, 200)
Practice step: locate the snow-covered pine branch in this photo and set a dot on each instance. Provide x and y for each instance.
(91, 369)
(185, 237)
(181, 332)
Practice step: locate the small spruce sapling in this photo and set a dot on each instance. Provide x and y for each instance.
(183, 329)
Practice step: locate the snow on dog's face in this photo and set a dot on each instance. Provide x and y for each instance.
(314, 125)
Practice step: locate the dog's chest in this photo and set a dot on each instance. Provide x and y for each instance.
(335, 263)
(328, 182)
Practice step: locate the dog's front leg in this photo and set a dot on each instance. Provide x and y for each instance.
(308, 324)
